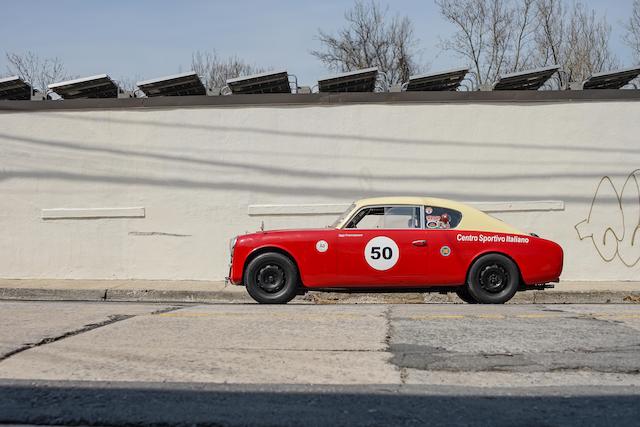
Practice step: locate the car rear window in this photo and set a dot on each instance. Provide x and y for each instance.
(438, 218)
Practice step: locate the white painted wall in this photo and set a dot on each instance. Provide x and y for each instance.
(196, 171)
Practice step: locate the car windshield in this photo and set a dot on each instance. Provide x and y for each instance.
(342, 216)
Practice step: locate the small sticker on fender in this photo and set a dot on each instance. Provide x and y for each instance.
(445, 251)
(322, 246)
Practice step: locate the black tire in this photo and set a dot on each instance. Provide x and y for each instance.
(464, 295)
(271, 278)
(493, 279)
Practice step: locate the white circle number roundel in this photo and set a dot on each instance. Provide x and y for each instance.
(322, 246)
(381, 253)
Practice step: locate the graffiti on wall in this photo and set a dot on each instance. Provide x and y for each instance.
(613, 223)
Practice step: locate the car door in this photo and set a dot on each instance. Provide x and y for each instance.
(383, 245)
(448, 262)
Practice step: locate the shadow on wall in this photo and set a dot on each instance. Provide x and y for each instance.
(614, 230)
(421, 159)
(274, 170)
(209, 404)
(337, 192)
(351, 138)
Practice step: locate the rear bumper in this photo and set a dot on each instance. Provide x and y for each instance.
(543, 266)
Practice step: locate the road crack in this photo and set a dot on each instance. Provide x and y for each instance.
(166, 310)
(585, 368)
(48, 340)
(111, 319)
(404, 373)
(387, 322)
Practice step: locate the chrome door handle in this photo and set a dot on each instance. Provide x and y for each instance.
(419, 243)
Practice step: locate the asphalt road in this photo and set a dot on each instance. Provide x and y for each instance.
(145, 364)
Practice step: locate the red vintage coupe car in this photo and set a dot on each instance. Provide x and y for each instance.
(397, 243)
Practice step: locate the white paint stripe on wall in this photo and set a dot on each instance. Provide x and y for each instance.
(296, 209)
(332, 209)
(82, 213)
(534, 206)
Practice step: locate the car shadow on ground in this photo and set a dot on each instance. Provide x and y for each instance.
(90, 403)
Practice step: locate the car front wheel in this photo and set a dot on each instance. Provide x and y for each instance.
(493, 279)
(271, 278)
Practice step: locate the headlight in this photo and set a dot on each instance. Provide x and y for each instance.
(232, 244)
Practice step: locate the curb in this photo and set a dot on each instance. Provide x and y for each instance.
(122, 295)
(239, 296)
(528, 297)
(52, 294)
(156, 295)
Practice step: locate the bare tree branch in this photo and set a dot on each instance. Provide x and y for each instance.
(525, 31)
(128, 83)
(492, 35)
(549, 36)
(587, 48)
(215, 70)
(632, 36)
(496, 36)
(371, 39)
(39, 72)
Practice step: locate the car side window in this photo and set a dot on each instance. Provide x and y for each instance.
(386, 217)
(438, 218)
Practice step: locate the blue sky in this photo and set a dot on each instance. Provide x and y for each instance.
(151, 38)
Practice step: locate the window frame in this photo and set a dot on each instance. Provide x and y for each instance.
(421, 226)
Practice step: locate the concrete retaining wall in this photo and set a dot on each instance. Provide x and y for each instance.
(158, 193)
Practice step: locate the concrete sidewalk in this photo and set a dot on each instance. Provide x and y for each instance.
(216, 292)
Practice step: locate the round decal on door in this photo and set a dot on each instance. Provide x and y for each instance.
(381, 253)
(322, 246)
(445, 251)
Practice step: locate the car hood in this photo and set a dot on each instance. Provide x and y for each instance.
(286, 231)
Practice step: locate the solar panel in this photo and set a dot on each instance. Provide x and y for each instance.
(352, 81)
(440, 81)
(611, 79)
(184, 84)
(525, 80)
(269, 82)
(100, 86)
(15, 89)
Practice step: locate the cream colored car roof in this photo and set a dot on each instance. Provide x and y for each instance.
(472, 218)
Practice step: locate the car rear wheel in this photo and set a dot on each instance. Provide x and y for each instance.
(271, 278)
(493, 279)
